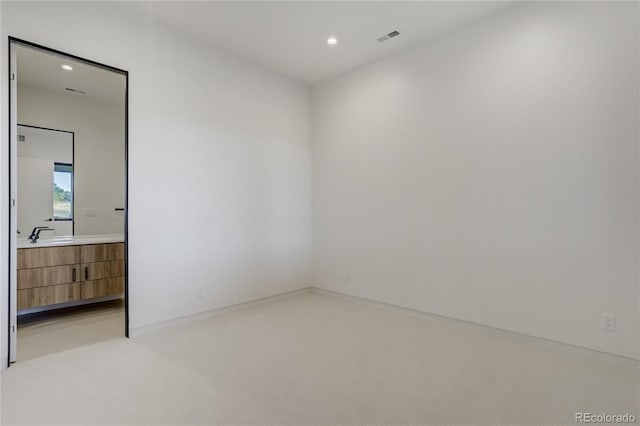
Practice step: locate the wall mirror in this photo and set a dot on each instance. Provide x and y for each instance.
(45, 179)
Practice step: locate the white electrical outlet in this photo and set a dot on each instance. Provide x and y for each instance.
(347, 278)
(201, 292)
(608, 322)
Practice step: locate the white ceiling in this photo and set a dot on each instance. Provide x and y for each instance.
(290, 36)
(41, 69)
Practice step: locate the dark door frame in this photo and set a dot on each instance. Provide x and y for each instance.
(18, 41)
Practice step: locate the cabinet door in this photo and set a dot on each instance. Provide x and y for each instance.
(54, 275)
(48, 256)
(50, 295)
(92, 253)
(104, 287)
(100, 270)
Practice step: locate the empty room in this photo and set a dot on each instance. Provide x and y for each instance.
(319, 212)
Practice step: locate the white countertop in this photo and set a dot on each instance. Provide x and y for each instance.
(71, 240)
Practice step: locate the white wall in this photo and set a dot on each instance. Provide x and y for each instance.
(490, 175)
(99, 152)
(219, 156)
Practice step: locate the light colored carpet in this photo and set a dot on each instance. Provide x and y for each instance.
(311, 359)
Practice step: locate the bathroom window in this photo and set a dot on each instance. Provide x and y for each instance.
(62, 191)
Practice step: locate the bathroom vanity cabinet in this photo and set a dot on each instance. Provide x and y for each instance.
(52, 275)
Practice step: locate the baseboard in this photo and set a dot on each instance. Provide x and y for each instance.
(137, 331)
(552, 344)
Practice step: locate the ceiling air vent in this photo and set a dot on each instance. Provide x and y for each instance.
(80, 92)
(386, 37)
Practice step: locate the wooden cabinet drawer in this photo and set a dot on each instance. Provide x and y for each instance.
(23, 299)
(101, 252)
(50, 295)
(48, 256)
(105, 287)
(54, 275)
(100, 270)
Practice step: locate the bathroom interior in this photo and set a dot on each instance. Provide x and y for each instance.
(69, 184)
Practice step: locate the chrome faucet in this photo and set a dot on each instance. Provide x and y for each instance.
(35, 234)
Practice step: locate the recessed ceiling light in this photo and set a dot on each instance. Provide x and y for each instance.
(67, 67)
(332, 40)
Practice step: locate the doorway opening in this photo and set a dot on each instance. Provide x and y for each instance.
(68, 186)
